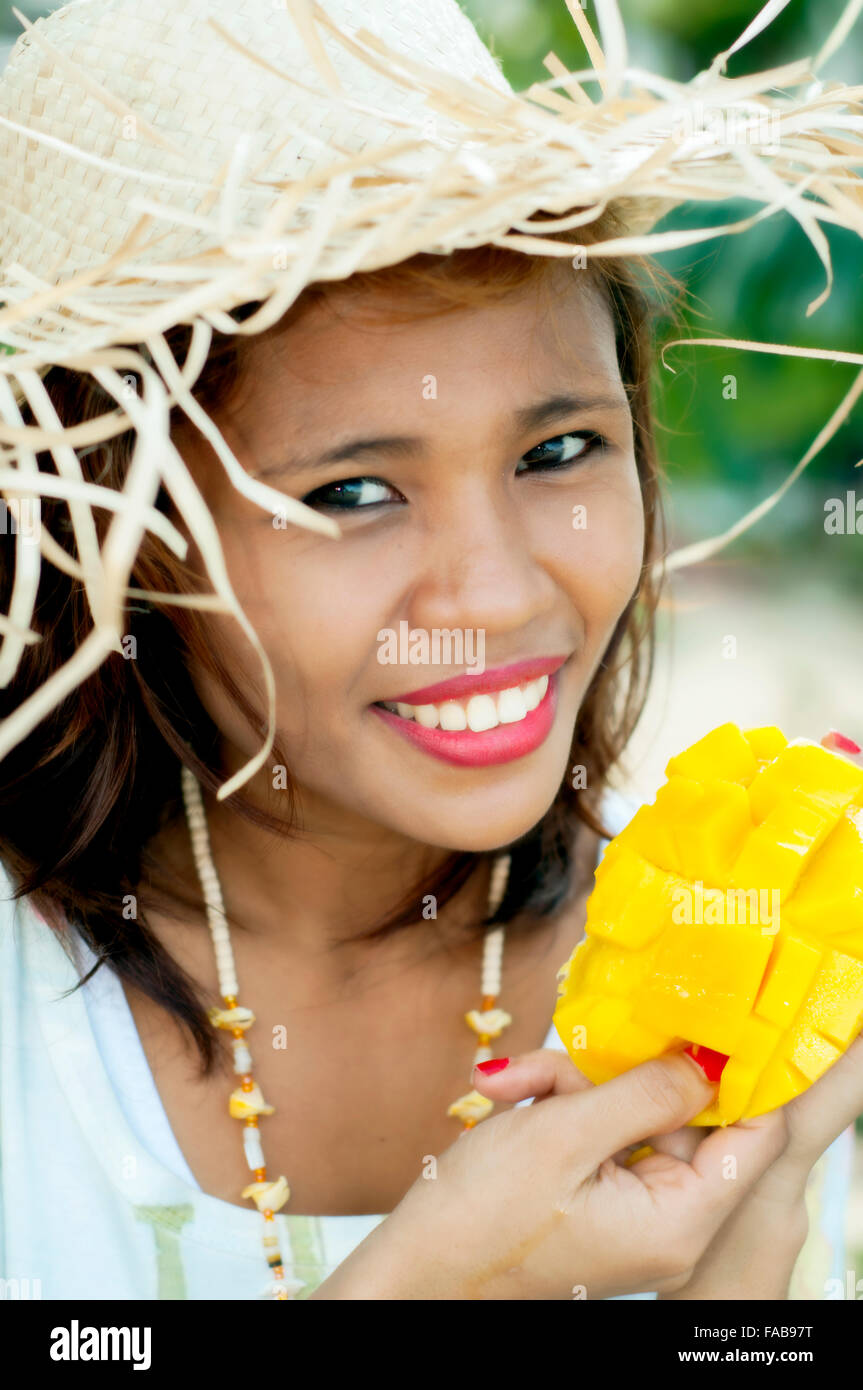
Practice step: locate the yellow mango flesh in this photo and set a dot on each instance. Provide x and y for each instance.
(728, 914)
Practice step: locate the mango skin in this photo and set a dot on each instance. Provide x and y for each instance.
(728, 914)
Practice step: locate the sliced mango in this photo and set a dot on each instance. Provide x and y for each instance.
(766, 743)
(804, 766)
(651, 836)
(787, 982)
(829, 896)
(607, 971)
(703, 982)
(729, 915)
(835, 1003)
(632, 903)
(724, 752)
(710, 841)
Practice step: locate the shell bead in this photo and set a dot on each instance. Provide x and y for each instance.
(246, 1102)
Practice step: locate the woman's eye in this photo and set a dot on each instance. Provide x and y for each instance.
(354, 494)
(351, 494)
(561, 451)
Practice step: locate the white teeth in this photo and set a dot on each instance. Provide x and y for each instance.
(511, 706)
(480, 712)
(531, 694)
(452, 716)
(534, 691)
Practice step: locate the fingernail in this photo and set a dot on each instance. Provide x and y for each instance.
(496, 1064)
(842, 741)
(710, 1062)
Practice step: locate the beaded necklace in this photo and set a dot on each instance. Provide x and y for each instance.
(247, 1103)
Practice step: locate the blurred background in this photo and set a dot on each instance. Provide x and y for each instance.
(771, 631)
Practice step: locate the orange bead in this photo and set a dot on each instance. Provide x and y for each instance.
(230, 1000)
(469, 1124)
(236, 1032)
(260, 1175)
(488, 1001)
(268, 1215)
(247, 1083)
(252, 1121)
(484, 1039)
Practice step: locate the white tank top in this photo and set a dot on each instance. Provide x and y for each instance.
(96, 1198)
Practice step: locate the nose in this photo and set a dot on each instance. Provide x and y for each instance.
(482, 568)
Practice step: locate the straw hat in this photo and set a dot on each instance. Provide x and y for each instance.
(163, 163)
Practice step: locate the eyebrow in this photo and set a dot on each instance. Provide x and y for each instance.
(526, 418)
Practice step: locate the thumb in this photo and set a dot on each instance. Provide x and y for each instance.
(545, 1072)
(652, 1098)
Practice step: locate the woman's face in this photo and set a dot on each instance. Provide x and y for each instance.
(474, 499)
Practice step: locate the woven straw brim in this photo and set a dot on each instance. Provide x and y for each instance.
(276, 148)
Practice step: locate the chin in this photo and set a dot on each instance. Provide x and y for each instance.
(475, 825)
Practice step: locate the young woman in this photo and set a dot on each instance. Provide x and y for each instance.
(479, 425)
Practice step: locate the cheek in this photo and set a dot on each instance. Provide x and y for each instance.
(317, 606)
(592, 540)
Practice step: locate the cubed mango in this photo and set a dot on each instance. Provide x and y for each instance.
(728, 914)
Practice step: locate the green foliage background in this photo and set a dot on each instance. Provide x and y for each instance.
(756, 286)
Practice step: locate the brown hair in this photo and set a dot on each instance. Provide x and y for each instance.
(83, 795)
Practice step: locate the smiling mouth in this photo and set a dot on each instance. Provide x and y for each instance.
(479, 713)
(479, 730)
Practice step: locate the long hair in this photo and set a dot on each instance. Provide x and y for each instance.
(84, 794)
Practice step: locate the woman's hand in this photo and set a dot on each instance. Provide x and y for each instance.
(814, 1120)
(532, 1205)
(753, 1252)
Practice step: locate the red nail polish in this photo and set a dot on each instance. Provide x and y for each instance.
(496, 1064)
(842, 741)
(710, 1062)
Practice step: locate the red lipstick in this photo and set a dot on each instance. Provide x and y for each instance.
(465, 748)
(486, 683)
